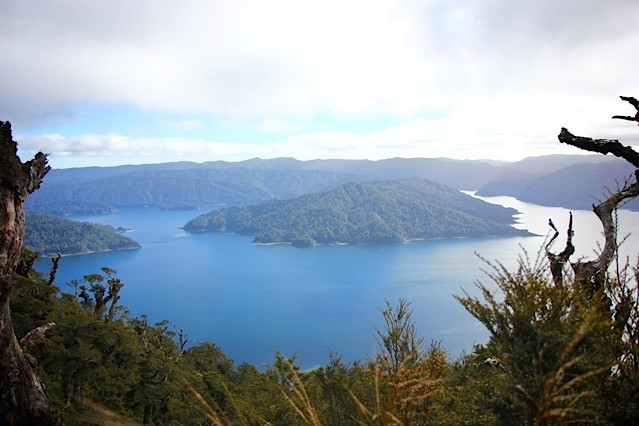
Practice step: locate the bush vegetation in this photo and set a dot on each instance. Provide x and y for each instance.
(556, 354)
(563, 346)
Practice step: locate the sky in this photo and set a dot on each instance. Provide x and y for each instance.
(131, 82)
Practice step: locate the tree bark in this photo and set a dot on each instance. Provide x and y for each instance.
(557, 261)
(22, 397)
(592, 274)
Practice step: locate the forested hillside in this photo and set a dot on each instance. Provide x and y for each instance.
(364, 213)
(176, 189)
(96, 190)
(560, 188)
(49, 234)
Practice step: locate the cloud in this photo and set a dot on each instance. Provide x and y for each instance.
(483, 129)
(186, 125)
(278, 126)
(497, 70)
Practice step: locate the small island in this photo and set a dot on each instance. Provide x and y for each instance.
(380, 212)
(47, 234)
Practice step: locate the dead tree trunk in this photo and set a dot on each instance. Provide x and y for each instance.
(22, 397)
(592, 274)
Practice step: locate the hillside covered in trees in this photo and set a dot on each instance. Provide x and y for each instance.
(542, 188)
(49, 234)
(364, 213)
(185, 185)
(174, 188)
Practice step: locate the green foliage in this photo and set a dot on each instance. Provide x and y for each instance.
(556, 355)
(48, 234)
(32, 302)
(398, 340)
(364, 213)
(558, 348)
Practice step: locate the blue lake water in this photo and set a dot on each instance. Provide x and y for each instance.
(251, 300)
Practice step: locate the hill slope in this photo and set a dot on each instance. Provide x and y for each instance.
(48, 234)
(189, 188)
(185, 185)
(364, 213)
(577, 186)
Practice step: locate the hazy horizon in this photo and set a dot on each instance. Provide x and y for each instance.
(488, 160)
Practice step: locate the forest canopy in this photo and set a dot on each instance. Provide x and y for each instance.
(364, 213)
(47, 234)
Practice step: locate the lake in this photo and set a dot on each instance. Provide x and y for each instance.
(252, 300)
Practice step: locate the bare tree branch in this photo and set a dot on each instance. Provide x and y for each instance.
(602, 146)
(635, 103)
(592, 273)
(557, 261)
(54, 268)
(35, 338)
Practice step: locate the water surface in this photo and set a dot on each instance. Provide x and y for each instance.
(251, 300)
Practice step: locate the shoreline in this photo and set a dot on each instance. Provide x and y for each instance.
(50, 255)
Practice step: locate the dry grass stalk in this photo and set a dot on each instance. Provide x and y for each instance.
(304, 406)
(558, 399)
(407, 387)
(205, 407)
(95, 414)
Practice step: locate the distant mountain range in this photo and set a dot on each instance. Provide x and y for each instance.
(572, 181)
(577, 186)
(364, 213)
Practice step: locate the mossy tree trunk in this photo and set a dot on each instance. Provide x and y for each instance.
(22, 397)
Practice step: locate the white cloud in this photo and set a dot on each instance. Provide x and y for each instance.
(502, 73)
(278, 126)
(467, 133)
(187, 125)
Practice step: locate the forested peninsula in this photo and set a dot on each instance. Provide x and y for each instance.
(378, 212)
(48, 234)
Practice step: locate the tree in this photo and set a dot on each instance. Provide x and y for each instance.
(565, 345)
(544, 339)
(405, 376)
(22, 397)
(592, 273)
(398, 341)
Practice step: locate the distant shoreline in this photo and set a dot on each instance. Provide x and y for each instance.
(43, 256)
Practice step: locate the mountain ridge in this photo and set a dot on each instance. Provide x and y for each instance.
(187, 185)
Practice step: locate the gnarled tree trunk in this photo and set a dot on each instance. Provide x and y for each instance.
(22, 397)
(592, 274)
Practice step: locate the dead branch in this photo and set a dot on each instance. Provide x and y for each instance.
(601, 146)
(635, 103)
(557, 261)
(592, 273)
(35, 338)
(55, 260)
